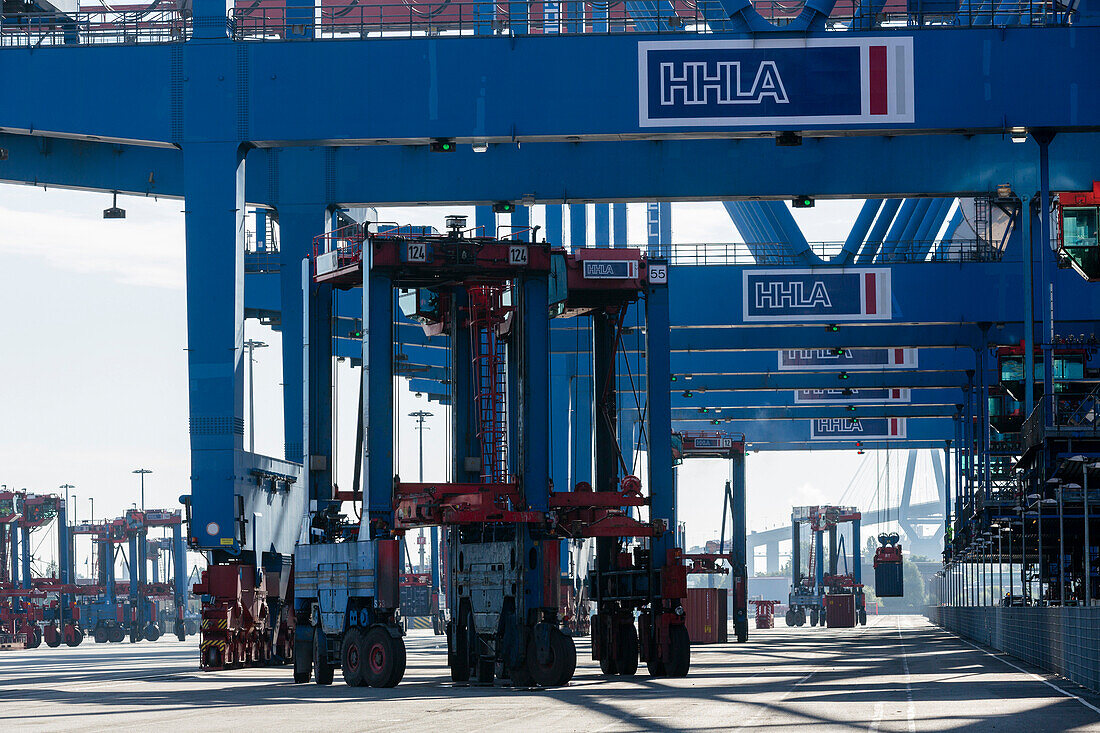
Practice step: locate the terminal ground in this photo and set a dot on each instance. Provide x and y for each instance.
(899, 673)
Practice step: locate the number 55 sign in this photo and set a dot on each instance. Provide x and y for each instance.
(658, 273)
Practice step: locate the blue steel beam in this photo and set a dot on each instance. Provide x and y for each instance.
(253, 79)
(681, 410)
(877, 235)
(599, 171)
(981, 292)
(790, 381)
(859, 231)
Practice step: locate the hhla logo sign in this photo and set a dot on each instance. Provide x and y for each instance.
(857, 428)
(791, 295)
(829, 294)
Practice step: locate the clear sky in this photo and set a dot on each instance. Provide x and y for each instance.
(93, 368)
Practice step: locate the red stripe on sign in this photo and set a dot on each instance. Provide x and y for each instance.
(872, 298)
(879, 104)
(893, 426)
(899, 356)
(897, 394)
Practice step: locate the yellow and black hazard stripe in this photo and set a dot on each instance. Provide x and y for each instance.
(215, 623)
(215, 643)
(419, 622)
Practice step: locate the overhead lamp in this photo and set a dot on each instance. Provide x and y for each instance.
(503, 207)
(851, 408)
(1004, 191)
(842, 375)
(442, 145)
(688, 393)
(832, 328)
(1018, 134)
(113, 212)
(480, 146)
(802, 202)
(840, 351)
(3, 153)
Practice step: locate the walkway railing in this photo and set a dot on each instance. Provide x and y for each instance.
(778, 253)
(95, 27)
(261, 20)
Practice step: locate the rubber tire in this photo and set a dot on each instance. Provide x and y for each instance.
(791, 618)
(570, 648)
(559, 669)
(351, 658)
(180, 631)
(607, 653)
(626, 652)
(863, 617)
(152, 632)
(34, 638)
(322, 668)
(679, 652)
(303, 661)
(813, 618)
(77, 637)
(384, 658)
(100, 635)
(53, 640)
(741, 629)
(460, 646)
(116, 634)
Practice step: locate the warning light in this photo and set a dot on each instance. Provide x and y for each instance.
(443, 145)
(859, 452)
(842, 375)
(859, 444)
(673, 377)
(704, 410)
(688, 393)
(851, 408)
(503, 207)
(832, 328)
(840, 352)
(848, 392)
(803, 202)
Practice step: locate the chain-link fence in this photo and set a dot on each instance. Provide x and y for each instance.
(1065, 641)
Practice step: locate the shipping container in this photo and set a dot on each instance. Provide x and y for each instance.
(888, 580)
(840, 610)
(705, 614)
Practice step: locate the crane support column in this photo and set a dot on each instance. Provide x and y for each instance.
(740, 577)
(179, 581)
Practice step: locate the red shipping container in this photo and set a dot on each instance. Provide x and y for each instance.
(840, 610)
(705, 614)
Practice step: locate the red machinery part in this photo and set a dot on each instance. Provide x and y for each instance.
(237, 628)
(765, 613)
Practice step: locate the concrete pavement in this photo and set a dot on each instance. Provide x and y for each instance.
(897, 674)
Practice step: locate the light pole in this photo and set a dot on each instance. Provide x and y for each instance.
(1000, 563)
(142, 472)
(66, 488)
(1048, 501)
(252, 345)
(1088, 545)
(421, 416)
(1011, 585)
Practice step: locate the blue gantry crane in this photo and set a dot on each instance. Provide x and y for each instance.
(951, 102)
